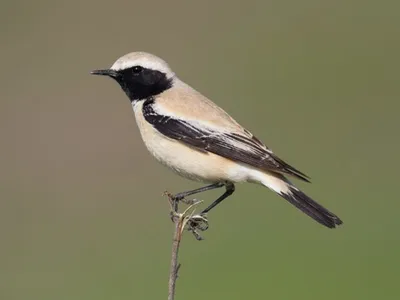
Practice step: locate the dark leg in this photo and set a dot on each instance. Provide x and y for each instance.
(182, 195)
(230, 188)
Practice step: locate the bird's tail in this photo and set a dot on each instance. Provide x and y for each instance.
(284, 188)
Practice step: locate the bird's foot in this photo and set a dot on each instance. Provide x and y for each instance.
(193, 223)
(175, 216)
(197, 223)
(190, 202)
(181, 198)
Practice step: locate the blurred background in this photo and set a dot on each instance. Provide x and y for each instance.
(82, 214)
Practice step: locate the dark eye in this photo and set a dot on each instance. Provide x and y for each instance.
(137, 69)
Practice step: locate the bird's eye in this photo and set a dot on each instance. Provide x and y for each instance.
(137, 69)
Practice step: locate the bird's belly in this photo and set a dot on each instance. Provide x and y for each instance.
(189, 162)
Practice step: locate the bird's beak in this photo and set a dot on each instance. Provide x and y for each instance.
(106, 72)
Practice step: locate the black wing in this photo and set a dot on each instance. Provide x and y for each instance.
(229, 145)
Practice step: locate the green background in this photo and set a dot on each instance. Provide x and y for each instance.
(81, 209)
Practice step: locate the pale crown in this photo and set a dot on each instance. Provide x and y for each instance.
(145, 60)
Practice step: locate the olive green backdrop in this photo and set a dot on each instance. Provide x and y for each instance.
(81, 209)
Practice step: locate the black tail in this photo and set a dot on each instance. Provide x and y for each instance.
(311, 208)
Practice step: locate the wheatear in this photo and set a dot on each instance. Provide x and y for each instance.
(197, 139)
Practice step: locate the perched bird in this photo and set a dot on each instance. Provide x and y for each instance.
(197, 139)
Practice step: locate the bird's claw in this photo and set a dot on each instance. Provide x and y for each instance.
(193, 223)
(197, 223)
(189, 202)
(174, 216)
(178, 198)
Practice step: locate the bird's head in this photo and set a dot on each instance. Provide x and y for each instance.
(141, 75)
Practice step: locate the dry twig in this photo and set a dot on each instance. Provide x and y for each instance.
(195, 223)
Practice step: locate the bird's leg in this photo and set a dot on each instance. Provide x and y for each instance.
(185, 216)
(181, 196)
(200, 222)
(230, 188)
(175, 199)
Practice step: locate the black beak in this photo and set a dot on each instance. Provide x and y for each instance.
(106, 72)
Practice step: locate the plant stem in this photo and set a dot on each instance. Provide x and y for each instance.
(173, 275)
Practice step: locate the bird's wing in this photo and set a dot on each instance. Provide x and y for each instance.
(240, 146)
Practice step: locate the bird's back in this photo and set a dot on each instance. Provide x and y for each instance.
(186, 103)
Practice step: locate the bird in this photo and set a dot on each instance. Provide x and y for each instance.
(198, 140)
